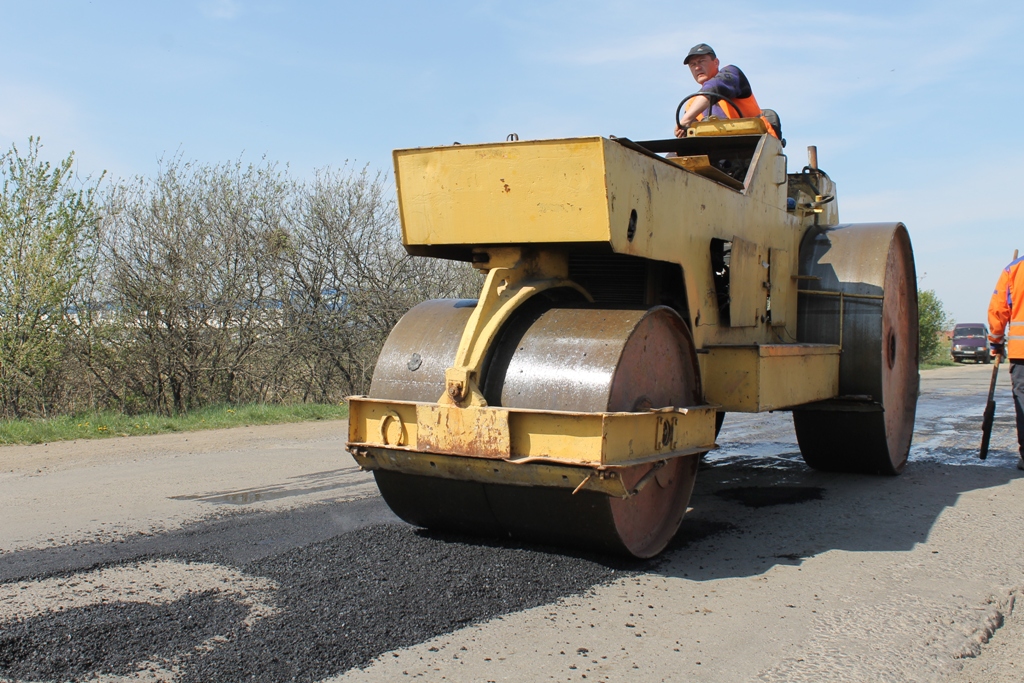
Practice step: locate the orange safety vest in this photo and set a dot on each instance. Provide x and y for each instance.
(748, 109)
(1006, 311)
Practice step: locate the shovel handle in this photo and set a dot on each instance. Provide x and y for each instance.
(990, 406)
(990, 412)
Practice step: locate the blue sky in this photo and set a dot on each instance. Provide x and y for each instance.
(914, 106)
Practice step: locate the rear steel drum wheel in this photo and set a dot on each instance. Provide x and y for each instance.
(547, 358)
(870, 427)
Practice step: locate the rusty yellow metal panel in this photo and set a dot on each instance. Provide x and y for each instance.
(463, 431)
(755, 378)
(628, 439)
(636, 437)
(781, 274)
(577, 478)
(678, 213)
(514, 193)
(747, 275)
(386, 424)
(717, 126)
(730, 378)
(790, 380)
(596, 439)
(575, 437)
(598, 191)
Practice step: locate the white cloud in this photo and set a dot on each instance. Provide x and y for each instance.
(220, 9)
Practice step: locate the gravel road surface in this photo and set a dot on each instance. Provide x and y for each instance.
(263, 554)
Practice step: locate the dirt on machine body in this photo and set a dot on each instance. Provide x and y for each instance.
(634, 293)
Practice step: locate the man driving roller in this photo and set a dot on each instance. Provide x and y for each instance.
(727, 81)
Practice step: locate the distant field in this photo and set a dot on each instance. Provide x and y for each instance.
(108, 424)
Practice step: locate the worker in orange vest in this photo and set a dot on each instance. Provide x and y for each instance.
(1006, 333)
(727, 81)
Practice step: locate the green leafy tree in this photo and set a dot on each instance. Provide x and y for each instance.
(48, 240)
(932, 320)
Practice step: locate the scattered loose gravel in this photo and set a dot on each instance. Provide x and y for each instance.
(347, 600)
(337, 603)
(115, 638)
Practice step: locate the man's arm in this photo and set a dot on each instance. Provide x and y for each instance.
(999, 311)
(693, 109)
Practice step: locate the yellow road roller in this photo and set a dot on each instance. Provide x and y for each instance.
(634, 293)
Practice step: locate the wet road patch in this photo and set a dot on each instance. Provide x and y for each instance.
(767, 496)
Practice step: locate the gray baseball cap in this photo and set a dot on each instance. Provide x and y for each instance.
(699, 49)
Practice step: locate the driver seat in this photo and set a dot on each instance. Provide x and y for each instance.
(772, 117)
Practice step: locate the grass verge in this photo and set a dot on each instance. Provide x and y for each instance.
(101, 425)
(939, 362)
(942, 357)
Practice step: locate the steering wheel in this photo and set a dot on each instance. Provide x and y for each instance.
(714, 98)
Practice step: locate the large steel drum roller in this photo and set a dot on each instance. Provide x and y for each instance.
(550, 358)
(869, 428)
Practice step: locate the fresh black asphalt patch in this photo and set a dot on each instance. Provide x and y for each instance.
(350, 589)
(75, 644)
(349, 599)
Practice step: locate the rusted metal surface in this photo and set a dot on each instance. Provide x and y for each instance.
(625, 361)
(573, 479)
(516, 277)
(419, 350)
(597, 363)
(579, 438)
(472, 432)
(605, 355)
(593, 360)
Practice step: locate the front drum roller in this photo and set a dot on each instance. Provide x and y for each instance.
(868, 429)
(549, 358)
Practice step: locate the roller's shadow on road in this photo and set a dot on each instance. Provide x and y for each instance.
(234, 538)
(747, 518)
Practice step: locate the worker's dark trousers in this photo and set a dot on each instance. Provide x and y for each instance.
(1017, 377)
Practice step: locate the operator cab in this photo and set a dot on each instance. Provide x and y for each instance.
(722, 150)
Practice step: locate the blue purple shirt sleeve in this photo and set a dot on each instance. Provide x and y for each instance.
(728, 82)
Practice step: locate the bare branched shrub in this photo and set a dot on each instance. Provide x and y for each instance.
(206, 284)
(351, 280)
(193, 265)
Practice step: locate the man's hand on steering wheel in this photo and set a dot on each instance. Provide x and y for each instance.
(712, 98)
